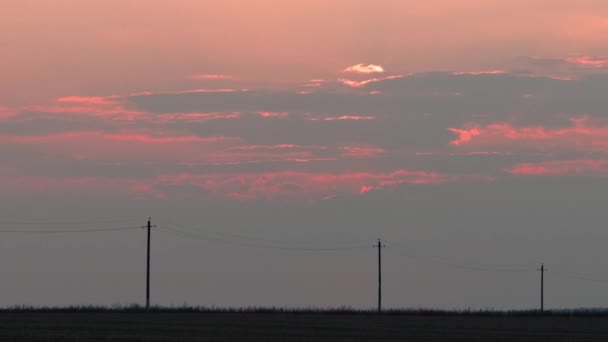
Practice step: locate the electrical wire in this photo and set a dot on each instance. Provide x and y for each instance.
(254, 245)
(62, 231)
(463, 266)
(247, 237)
(51, 222)
(575, 276)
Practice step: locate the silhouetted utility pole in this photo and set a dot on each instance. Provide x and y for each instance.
(542, 270)
(379, 246)
(149, 226)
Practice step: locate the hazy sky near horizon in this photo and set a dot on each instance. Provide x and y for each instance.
(470, 135)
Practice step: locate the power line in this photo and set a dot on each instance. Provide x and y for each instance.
(580, 277)
(226, 235)
(51, 222)
(63, 231)
(451, 261)
(463, 266)
(255, 245)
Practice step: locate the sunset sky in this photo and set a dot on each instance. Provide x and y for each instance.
(470, 135)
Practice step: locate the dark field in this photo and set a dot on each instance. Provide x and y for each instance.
(267, 326)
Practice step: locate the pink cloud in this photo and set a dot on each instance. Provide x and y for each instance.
(360, 84)
(241, 187)
(15, 184)
(127, 137)
(103, 106)
(190, 91)
(273, 114)
(344, 117)
(364, 69)
(588, 61)
(6, 113)
(297, 185)
(196, 117)
(215, 77)
(482, 72)
(93, 100)
(274, 147)
(582, 135)
(561, 167)
(464, 135)
(247, 154)
(361, 152)
(125, 146)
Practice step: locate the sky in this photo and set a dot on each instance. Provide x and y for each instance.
(272, 143)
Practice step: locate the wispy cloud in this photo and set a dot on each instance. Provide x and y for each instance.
(296, 185)
(561, 167)
(581, 135)
(344, 117)
(212, 77)
(588, 61)
(483, 72)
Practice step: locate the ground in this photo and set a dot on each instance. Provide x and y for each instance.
(234, 326)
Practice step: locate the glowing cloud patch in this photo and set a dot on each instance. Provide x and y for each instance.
(361, 152)
(364, 69)
(273, 114)
(297, 185)
(127, 137)
(344, 117)
(464, 135)
(95, 100)
(212, 78)
(588, 61)
(274, 147)
(560, 167)
(6, 113)
(581, 136)
(360, 84)
(196, 117)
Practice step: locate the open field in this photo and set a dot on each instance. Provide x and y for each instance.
(262, 325)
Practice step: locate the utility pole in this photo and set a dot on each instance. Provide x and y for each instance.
(149, 226)
(542, 270)
(379, 246)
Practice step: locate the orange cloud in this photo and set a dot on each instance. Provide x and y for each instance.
(364, 69)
